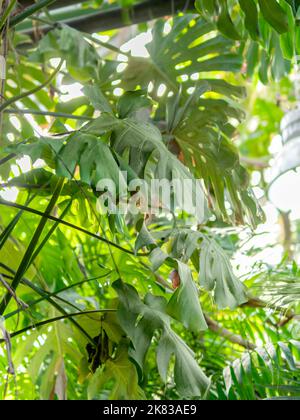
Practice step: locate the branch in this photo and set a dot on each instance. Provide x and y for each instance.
(233, 338)
(19, 302)
(7, 158)
(47, 114)
(289, 315)
(6, 340)
(254, 163)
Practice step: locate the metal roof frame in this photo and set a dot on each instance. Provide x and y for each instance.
(55, 5)
(108, 18)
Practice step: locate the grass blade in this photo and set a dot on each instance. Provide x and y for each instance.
(24, 265)
(6, 13)
(8, 230)
(30, 11)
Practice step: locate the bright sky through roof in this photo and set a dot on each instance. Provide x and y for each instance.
(137, 45)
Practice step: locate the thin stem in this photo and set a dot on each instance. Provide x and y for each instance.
(24, 265)
(7, 158)
(47, 296)
(9, 229)
(106, 45)
(29, 11)
(70, 225)
(48, 114)
(52, 302)
(54, 294)
(4, 18)
(49, 234)
(13, 100)
(58, 318)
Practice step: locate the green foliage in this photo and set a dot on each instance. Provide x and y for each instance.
(218, 275)
(265, 373)
(111, 306)
(140, 320)
(268, 29)
(124, 375)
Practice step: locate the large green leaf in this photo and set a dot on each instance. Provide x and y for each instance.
(142, 142)
(216, 274)
(93, 157)
(202, 146)
(249, 7)
(189, 48)
(274, 14)
(184, 304)
(140, 320)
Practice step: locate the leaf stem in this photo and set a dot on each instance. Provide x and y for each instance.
(47, 296)
(58, 318)
(24, 265)
(48, 114)
(54, 294)
(70, 225)
(14, 99)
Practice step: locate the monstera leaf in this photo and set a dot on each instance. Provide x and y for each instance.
(203, 145)
(87, 149)
(201, 135)
(214, 269)
(190, 50)
(184, 304)
(216, 275)
(140, 320)
(93, 156)
(185, 51)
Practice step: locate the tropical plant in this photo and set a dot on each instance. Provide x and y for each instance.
(98, 304)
